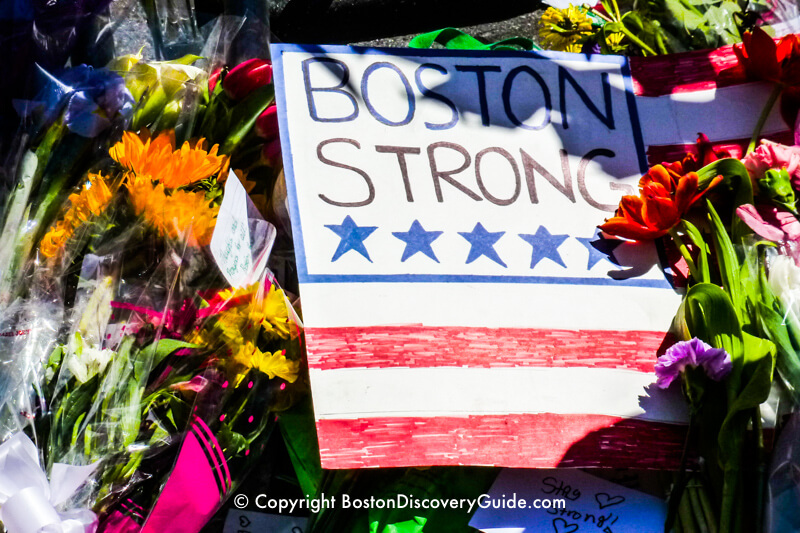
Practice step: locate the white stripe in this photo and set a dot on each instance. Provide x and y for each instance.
(489, 305)
(722, 114)
(428, 392)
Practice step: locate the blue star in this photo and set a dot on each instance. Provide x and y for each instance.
(352, 237)
(545, 246)
(599, 248)
(482, 243)
(417, 240)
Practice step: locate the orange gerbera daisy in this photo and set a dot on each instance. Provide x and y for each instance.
(178, 214)
(159, 159)
(94, 196)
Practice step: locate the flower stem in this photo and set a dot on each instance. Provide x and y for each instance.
(776, 92)
(705, 504)
(702, 257)
(685, 512)
(697, 508)
(729, 486)
(616, 10)
(638, 42)
(687, 256)
(761, 471)
(596, 12)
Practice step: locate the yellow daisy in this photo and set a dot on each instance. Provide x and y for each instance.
(561, 28)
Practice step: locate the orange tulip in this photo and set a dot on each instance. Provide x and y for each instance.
(664, 197)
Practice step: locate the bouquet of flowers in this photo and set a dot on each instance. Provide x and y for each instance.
(733, 227)
(133, 256)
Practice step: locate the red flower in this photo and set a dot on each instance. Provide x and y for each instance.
(664, 198)
(213, 79)
(762, 59)
(246, 77)
(267, 123)
(706, 154)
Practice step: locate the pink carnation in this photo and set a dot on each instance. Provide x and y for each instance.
(773, 155)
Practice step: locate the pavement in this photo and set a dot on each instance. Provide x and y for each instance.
(379, 23)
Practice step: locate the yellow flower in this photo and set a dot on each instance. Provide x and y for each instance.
(159, 159)
(560, 28)
(94, 196)
(179, 214)
(272, 364)
(247, 314)
(614, 41)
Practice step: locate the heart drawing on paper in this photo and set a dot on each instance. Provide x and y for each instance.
(561, 526)
(606, 500)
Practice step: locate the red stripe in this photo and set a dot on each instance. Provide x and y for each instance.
(736, 147)
(685, 72)
(516, 441)
(419, 346)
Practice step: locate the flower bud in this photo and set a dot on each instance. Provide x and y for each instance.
(213, 79)
(246, 77)
(267, 123)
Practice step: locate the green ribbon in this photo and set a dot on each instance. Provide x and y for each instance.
(455, 39)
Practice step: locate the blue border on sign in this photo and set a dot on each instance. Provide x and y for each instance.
(277, 51)
(469, 278)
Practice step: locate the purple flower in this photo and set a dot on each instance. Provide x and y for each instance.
(90, 99)
(715, 361)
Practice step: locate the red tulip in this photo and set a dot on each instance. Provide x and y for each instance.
(762, 59)
(246, 77)
(213, 79)
(267, 123)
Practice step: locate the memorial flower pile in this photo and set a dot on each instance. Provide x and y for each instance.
(734, 224)
(649, 28)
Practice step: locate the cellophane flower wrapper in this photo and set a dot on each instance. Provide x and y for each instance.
(135, 367)
(162, 358)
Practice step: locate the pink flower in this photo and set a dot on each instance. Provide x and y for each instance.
(197, 384)
(773, 155)
(770, 222)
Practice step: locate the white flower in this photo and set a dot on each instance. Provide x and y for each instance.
(84, 360)
(784, 280)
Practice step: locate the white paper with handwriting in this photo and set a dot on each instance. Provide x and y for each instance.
(592, 505)
(242, 239)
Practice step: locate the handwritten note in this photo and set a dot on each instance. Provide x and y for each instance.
(230, 244)
(250, 522)
(570, 501)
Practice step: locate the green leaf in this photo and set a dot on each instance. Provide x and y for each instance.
(776, 186)
(300, 436)
(735, 181)
(786, 340)
(751, 380)
(729, 266)
(710, 316)
(245, 114)
(164, 347)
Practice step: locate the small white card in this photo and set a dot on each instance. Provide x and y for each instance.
(591, 505)
(230, 244)
(251, 522)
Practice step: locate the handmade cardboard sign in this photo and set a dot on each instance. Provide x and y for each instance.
(566, 501)
(460, 305)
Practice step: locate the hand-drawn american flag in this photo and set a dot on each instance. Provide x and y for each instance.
(451, 320)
